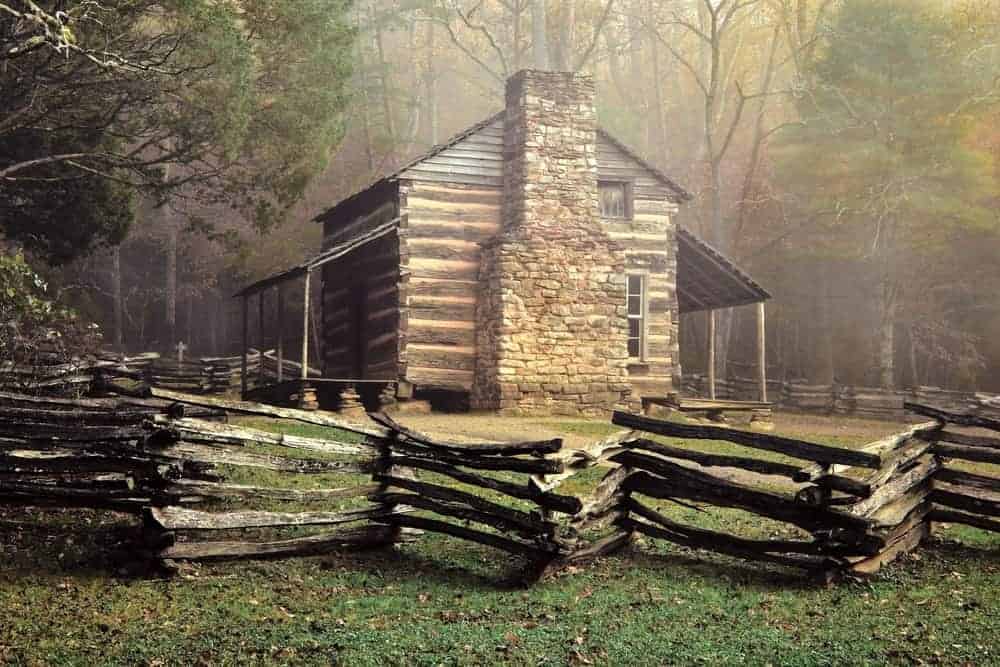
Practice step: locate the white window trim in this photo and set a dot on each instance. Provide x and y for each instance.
(643, 316)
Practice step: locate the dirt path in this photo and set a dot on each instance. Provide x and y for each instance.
(489, 427)
(577, 432)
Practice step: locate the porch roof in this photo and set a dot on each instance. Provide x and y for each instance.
(707, 279)
(322, 258)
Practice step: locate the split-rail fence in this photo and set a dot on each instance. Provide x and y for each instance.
(173, 459)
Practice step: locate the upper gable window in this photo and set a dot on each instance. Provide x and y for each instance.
(616, 199)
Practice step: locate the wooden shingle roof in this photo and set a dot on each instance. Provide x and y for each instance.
(707, 279)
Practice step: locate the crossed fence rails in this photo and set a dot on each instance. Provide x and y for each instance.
(174, 460)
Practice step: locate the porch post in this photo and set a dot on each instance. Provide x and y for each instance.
(711, 354)
(281, 332)
(260, 335)
(761, 353)
(243, 351)
(305, 329)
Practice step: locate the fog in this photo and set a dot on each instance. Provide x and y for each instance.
(845, 153)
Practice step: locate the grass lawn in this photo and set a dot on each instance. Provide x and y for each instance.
(442, 601)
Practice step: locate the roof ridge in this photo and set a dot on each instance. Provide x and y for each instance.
(680, 192)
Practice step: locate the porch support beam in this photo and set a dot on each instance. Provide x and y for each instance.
(710, 342)
(281, 332)
(305, 327)
(243, 346)
(761, 353)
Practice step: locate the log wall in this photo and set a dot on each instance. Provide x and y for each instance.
(449, 208)
(443, 225)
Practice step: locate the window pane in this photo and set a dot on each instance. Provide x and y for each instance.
(633, 328)
(633, 347)
(612, 199)
(635, 305)
(635, 284)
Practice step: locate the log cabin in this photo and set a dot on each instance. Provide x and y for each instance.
(531, 264)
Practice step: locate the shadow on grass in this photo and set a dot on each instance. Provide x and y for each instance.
(58, 543)
(760, 577)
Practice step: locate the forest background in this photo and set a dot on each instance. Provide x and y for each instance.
(156, 155)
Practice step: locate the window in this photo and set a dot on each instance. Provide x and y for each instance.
(616, 199)
(636, 317)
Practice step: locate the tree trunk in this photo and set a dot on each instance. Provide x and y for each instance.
(662, 141)
(567, 26)
(386, 85)
(515, 17)
(914, 376)
(171, 278)
(825, 365)
(886, 339)
(430, 89)
(539, 36)
(116, 295)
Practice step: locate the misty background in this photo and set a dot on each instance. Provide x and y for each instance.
(846, 153)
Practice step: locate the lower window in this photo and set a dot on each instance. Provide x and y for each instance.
(636, 316)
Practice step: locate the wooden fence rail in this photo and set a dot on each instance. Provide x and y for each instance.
(858, 401)
(170, 458)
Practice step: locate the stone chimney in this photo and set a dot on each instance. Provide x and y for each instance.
(551, 313)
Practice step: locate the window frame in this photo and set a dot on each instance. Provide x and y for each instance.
(627, 193)
(642, 316)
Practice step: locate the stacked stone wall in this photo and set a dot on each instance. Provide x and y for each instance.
(551, 314)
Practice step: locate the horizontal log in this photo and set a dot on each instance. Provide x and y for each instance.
(194, 430)
(843, 484)
(966, 453)
(445, 335)
(951, 516)
(548, 500)
(462, 511)
(39, 495)
(72, 462)
(359, 538)
(884, 446)
(813, 548)
(674, 481)
(968, 440)
(516, 518)
(123, 417)
(465, 460)
(489, 539)
(537, 447)
(715, 460)
(969, 500)
(787, 446)
(178, 518)
(245, 407)
(963, 478)
(724, 547)
(185, 487)
(40, 432)
(221, 456)
(950, 417)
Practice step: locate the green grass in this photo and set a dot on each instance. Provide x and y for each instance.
(443, 601)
